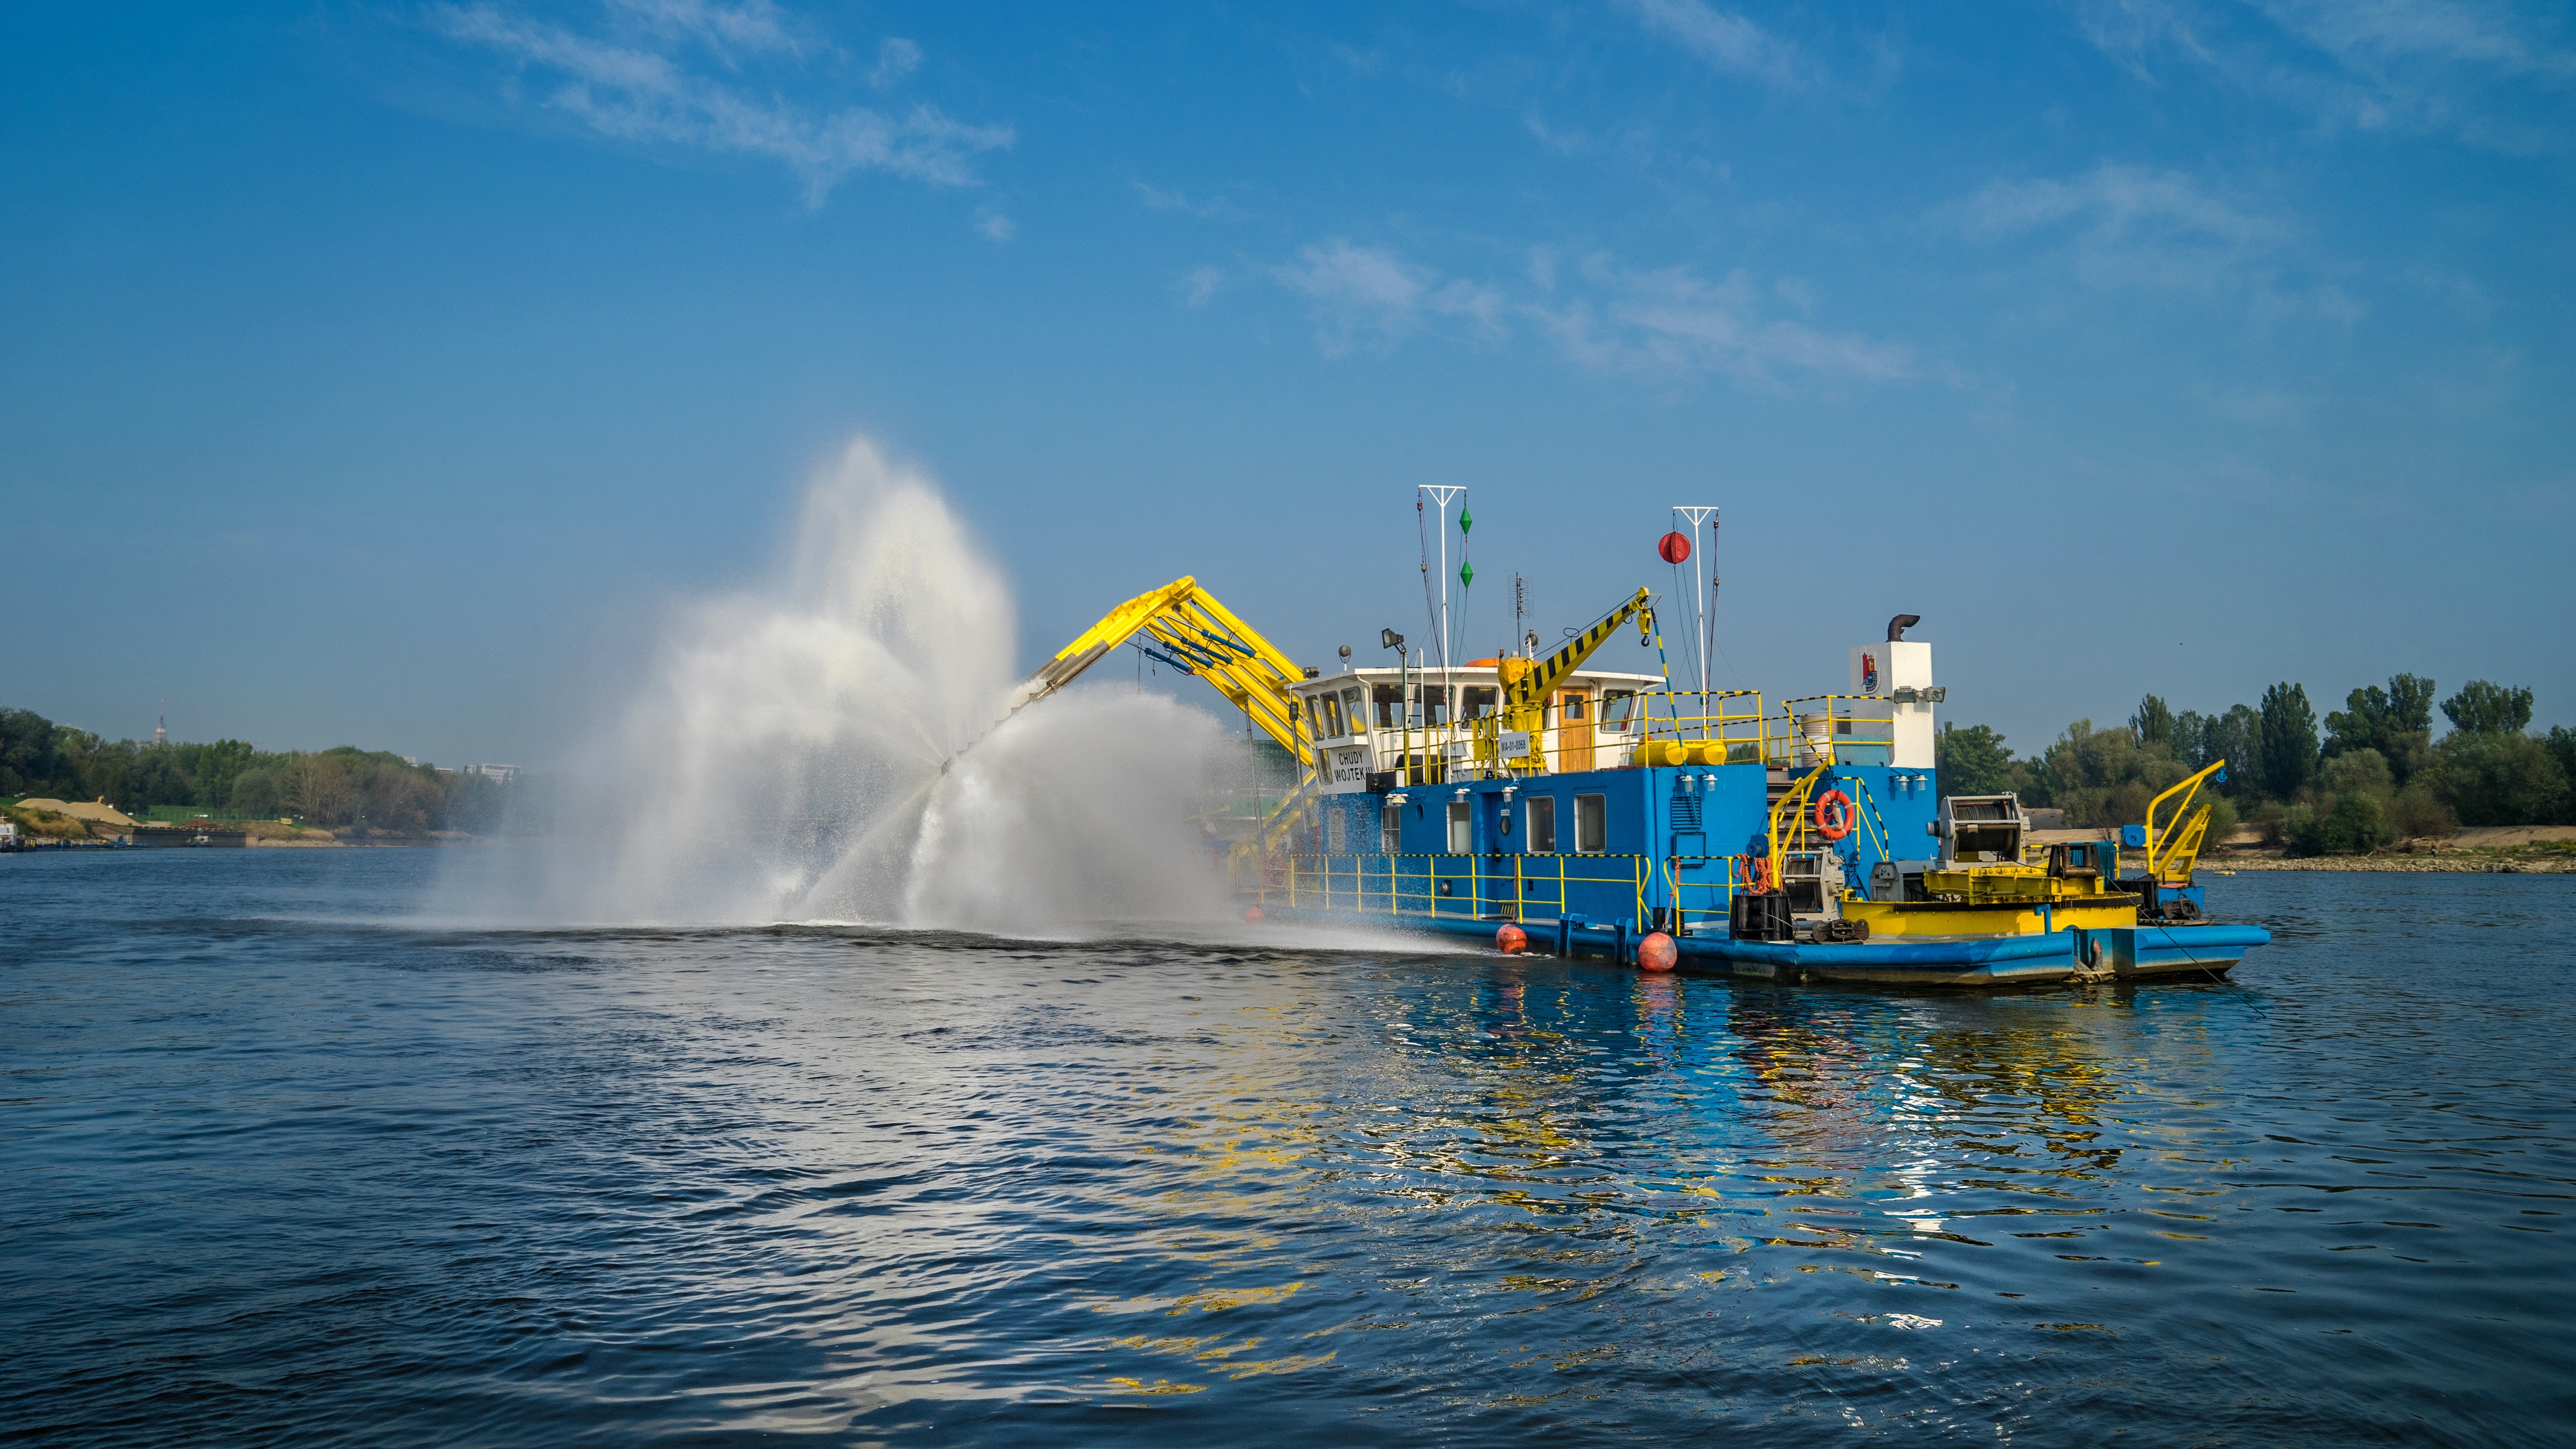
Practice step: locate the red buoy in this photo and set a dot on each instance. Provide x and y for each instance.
(1252, 913)
(1511, 940)
(1675, 547)
(1657, 952)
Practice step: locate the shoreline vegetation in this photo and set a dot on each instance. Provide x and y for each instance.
(2373, 784)
(62, 785)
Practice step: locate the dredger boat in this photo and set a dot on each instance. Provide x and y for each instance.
(1592, 810)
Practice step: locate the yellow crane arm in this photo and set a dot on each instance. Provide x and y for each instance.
(1526, 682)
(1196, 634)
(2173, 847)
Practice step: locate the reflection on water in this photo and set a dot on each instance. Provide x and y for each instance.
(280, 1172)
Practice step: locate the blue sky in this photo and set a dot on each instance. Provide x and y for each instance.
(380, 373)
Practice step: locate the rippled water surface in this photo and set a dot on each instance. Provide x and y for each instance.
(283, 1167)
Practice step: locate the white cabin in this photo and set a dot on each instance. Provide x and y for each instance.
(1367, 722)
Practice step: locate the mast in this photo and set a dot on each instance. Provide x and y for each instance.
(1441, 493)
(1699, 602)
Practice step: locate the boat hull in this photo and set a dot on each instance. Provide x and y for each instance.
(2203, 951)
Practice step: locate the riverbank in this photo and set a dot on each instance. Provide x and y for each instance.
(2508, 849)
(2469, 862)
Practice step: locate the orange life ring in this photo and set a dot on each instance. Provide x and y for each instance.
(1757, 874)
(1838, 824)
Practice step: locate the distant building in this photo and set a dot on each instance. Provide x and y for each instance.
(502, 774)
(161, 730)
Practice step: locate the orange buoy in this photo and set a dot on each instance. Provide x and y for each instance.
(1833, 815)
(1511, 940)
(1252, 913)
(1657, 952)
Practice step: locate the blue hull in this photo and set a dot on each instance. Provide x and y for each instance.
(2124, 952)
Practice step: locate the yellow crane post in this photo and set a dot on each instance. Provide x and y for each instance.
(1527, 682)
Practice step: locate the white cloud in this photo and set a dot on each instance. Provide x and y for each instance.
(994, 227)
(1157, 199)
(637, 86)
(896, 58)
(2116, 202)
(750, 27)
(2125, 226)
(1726, 42)
(1667, 322)
(1674, 322)
(1550, 138)
(2472, 68)
(1200, 285)
(1360, 291)
(2362, 32)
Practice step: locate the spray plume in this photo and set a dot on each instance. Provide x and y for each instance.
(784, 759)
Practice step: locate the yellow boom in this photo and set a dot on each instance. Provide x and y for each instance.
(1526, 682)
(1194, 633)
(2173, 847)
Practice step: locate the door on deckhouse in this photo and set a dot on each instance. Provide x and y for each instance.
(1573, 729)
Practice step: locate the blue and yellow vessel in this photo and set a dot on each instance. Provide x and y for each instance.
(1596, 811)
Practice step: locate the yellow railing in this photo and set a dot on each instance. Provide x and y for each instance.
(1679, 727)
(1496, 887)
(1653, 727)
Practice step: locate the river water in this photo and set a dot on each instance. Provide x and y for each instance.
(286, 1164)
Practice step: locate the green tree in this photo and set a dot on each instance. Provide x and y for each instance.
(2355, 825)
(2286, 745)
(1973, 761)
(2561, 743)
(2360, 772)
(258, 793)
(2502, 778)
(2204, 740)
(2481, 708)
(2153, 723)
(29, 764)
(2104, 777)
(2396, 721)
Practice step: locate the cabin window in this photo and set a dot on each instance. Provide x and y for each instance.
(1479, 700)
(1434, 703)
(1390, 828)
(1462, 840)
(1618, 706)
(1591, 824)
(1331, 720)
(1574, 706)
(1390, 701)
(1354, 710)
(1542, 824)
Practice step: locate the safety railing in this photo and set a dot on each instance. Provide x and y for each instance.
(1473, 887)
(1695, 888)
(1652, 727)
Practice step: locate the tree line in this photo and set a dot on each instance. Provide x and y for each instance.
(2374, 773)
(334, 789)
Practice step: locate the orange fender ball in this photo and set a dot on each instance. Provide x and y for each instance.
(1657, 952)
(1252, 913)
(1511, 940)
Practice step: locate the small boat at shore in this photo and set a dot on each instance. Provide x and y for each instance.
(1529, 797)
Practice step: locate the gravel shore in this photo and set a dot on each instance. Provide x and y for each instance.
(2463, 862)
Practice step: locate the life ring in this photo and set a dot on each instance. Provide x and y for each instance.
(1833, 815)
(1757, 874)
